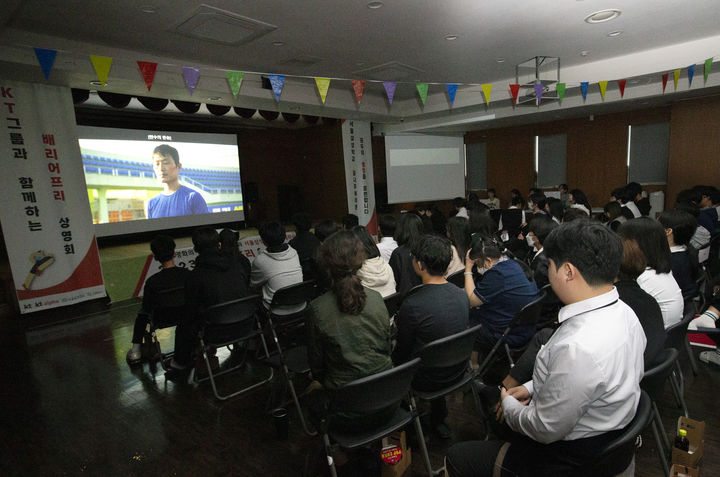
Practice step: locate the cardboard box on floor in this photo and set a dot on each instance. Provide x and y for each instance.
(696, 436)
(397, 470)
(682, 471)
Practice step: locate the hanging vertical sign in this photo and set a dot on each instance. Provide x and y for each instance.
(357, 149)
(45, 215)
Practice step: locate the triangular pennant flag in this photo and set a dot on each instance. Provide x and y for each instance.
(234, 79)
(390, 89)
(691, 73)
(358, 87)
(192, 76)
(147, 70)
(487, 88)
(676, 77)
(102, 66)
(583, 89)
(514, 90)
(621, 84)
(46, 58)
(452, 89)
(277, 81)
(603, 88)
(323, 84)
(422, 89)
(708, 65)
(538, 92)
(560, 88)
(664, 81)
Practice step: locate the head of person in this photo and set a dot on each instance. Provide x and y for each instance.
(563, 188)
(409, 230)
(627, 194)
(205, 239)
(581, 254)
(555, 208)
(166, 163)
(163, 248)
(651, 237)
(302, 222)
(705, 194)
(485, 251)
(431, 255)
(714, 197)
(368, 243)
(229, 242)
(578, 197)
(539, 228)
(574, 214)
(633, 260)
(341, 255)
(349, 221)
(515, 193)
(458, 203)
(458, 231)
(473, 198)
(679, 226)
(324, 229)
(272, 233)
(617, 194)
(481, 222)
(517, 201)
(387, 225)
(538, 201)
(533, 191)
(634, 191)
(689, 196)
(612, 210)
(491, 194)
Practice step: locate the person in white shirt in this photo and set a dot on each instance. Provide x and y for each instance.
(586, 381)
(375, 272)
(387, 242)
(459, 204)
(492, 201)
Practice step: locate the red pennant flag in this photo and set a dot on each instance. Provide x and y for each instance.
(621, 84)
(358, 87)
(147, 70)
(514, 90)
(664, 78)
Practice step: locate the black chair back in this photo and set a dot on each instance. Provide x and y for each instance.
(495, 216)
(233, 311)
(449, 351)
(295, 294)
(392, 303)
(677, 333)
(654, 379)
(376, 392)
(512, 220)
(169, 307)
(457, 279)
(530, 313)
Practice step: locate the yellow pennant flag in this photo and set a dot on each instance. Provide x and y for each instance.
(676, 77)
(323, 84)
(603, 88)
(486, 91)
(102, 67)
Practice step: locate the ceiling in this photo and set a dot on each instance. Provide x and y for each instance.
(403, 40)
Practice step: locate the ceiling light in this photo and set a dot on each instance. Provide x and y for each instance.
(214, 98)
(500, 60)
(147, 9)
(451, 37)
(374, 5)
(603, 16)
(614, 33)
(278, 43)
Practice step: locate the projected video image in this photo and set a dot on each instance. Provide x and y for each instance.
(135, 175)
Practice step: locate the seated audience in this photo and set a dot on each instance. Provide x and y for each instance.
(439, 221)
(305, 244)
(642, 203)
(501, 292)
(574, 214)
(554, 208)
(579, 201)
(538, 230)
(707, 216)
(436, 310)
(458, 231)
(349, 221)
(657, 279)
(375, 273)
(408, 232)
(481, 223)
(614, 215)
(679, 228)
(387, 242)
(492, 201)
(324, 229)
(278, 266)
(229, 246)
(628, 196)
(459, 204)
(537, 203)
(585, 386)
(169, 277)
(688, 200)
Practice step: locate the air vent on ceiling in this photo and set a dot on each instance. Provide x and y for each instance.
(220, 26)
(392, 71)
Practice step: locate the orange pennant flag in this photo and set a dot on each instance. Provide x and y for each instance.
(358, 87)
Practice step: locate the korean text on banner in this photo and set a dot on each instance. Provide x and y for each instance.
(45, 214)
(357, 149)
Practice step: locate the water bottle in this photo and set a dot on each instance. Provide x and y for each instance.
(681, 440)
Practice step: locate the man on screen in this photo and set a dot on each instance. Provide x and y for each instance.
(175, 199)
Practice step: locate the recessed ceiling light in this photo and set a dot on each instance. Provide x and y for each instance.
(97, 83)
(603, 16)
(278, 43)
(584, 53)
(214, 98)
(451, 37)
(614, 33)
(147, 9)
(500, 60)
(374, 5)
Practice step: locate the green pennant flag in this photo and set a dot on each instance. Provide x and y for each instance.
(422, 91)
(234, 78)
(708, 65)
(560, 91)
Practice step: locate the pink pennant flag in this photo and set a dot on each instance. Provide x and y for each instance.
(147, 70)
(390, 89)
(621, 84)
(514, 90)
(192, 76)
(358, 87)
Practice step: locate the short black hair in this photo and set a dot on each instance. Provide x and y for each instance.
(491, 190)
(682, 223)
(162, 248)
(473, 197)
(634, 188)
(592, 248)
(458, 202)
(409, 230)
(486, 247)
(715, 197)
(539, 199)
(651, 237)
(689, 196)
(434, 252)
(350, 220)
(371, 250)
(541, 226)
(617, 193)
(302, 222)
(555, 207)
(324, 229)
(272, 233)
(204, 239)
(614, 209)
(387, 224)
(517, 200)
(164, 150)
(573, 214)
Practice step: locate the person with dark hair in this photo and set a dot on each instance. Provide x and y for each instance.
(278, 266)
(438, 219)
(481, 223)
(585, 385)
(537, 203)
(217, 278)
(459, 204)
(616, 195)
(169, 277)
(579, 201)
(305, 244)
(679, 228)
(408, 232)
(375, 272)
(501, 292)
(627, 201)
(538, 230)
(492, 201)
(438, 309)
(574, 214)
(564, 199)
(614, 215)
(175, 199)
(458, 231)
(324, 229)
(656, 279)
(387, 243)
(707, 216)
(349, 221)
(554, 208)
(229, 246)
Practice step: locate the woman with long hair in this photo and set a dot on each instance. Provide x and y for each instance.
(375, 272)
(578, 200)
(408, 231)
(458, 231)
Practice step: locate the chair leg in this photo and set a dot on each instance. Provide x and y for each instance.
(691, 356)
(677, 390)
(660, 450)
(328, 455)
(657, 420)
(297, 402)
(421, 440)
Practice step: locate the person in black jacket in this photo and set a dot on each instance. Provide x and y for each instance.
(680, 227)
(306, 244)
(408, 231)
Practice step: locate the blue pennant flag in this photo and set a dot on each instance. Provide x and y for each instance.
(46, 58)
(584, 87)
(277, 81)
(452, 89)
(691, 72)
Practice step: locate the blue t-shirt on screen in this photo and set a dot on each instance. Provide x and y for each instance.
(183, 201)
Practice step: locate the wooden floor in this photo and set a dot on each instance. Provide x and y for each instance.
(71, 406)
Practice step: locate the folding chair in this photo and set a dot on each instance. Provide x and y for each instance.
(457, 279)
(231, 323)
(370, 395)
(392, 303)
(677, 338)
(169, 311)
